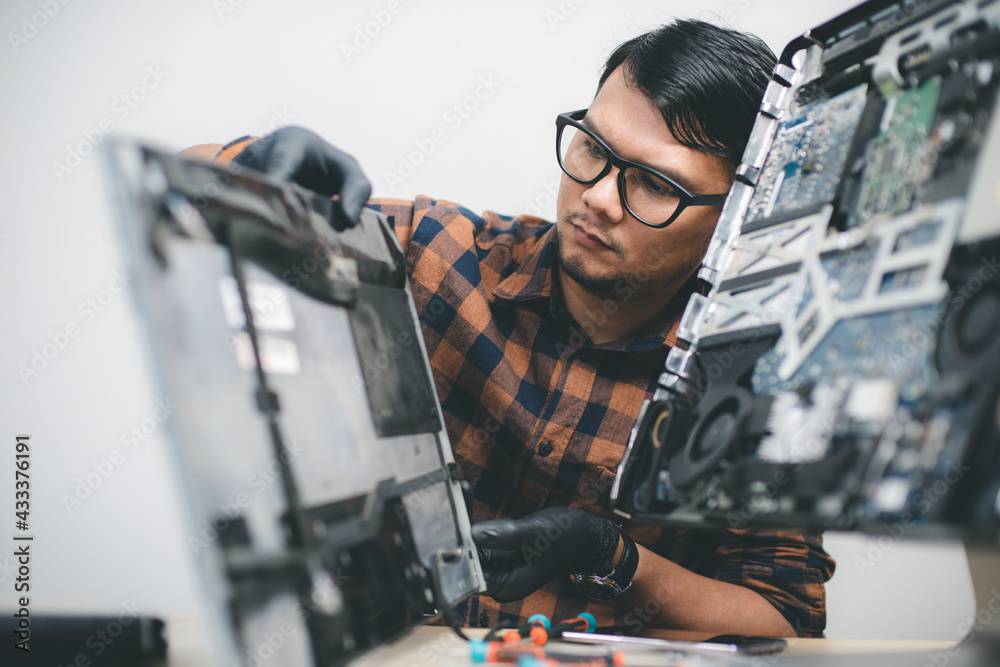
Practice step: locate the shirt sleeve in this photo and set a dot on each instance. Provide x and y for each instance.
(787, 568)
(403, 217)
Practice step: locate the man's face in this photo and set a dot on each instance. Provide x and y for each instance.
(601, 246)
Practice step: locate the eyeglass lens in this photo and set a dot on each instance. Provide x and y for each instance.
(650, 198)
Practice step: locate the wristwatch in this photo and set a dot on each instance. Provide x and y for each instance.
(612, 585)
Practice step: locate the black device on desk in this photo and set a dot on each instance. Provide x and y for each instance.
(125, 640)
(326, 511)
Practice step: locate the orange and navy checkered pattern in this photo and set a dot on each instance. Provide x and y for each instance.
(538, 416)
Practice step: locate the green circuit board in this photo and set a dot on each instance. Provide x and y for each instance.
(898, 155)
(807, 157)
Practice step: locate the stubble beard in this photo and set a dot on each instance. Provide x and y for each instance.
(618, 286)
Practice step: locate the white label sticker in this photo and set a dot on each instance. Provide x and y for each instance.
(268, 303)
(277, 355)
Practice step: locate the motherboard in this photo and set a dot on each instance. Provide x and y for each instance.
(841, 367)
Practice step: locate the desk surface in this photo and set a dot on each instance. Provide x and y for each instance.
(437, 646)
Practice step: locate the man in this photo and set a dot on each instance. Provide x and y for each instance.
(545, 340)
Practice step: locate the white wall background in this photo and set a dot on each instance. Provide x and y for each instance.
(229, 67)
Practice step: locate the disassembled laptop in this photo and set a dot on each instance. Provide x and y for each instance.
(843, 368)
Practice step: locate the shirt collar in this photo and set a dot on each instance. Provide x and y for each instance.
(535, 279)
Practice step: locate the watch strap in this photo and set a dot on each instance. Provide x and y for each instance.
(612, 585)
(626, 566)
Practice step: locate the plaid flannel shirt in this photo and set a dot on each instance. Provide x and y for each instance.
(539, 416)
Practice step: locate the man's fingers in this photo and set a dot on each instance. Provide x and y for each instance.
(514, 559)
(504, 572)
(298, 155)
(499, 534)
(496, 566)
(285, 163)
(356, 191)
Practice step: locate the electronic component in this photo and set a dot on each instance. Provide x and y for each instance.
(899, 155)
(804, 164)
(325, 504)
(842, 369)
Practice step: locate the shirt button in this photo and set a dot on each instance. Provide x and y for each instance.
(545, 448)
(484, 620)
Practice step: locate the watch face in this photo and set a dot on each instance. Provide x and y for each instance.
(597, 588)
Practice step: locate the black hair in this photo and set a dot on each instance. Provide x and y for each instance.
(706, 80)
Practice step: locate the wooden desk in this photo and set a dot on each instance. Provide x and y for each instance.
(440, 647)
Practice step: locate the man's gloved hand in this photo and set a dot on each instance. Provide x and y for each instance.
(521, 555)
(298, 155)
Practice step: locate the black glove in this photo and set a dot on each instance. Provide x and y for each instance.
(519, 556)
(298, 155)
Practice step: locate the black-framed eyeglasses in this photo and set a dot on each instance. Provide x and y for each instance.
(650, 197)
